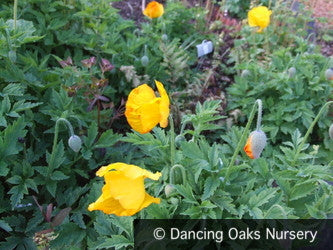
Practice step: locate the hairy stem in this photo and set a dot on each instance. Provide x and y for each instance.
(243, 137)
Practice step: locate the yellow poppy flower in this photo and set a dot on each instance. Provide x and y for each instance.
(144, 110)
(255, 144)
(154, 10)
(259, 17)
(124, 192)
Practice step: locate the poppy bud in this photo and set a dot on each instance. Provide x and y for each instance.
(144, 61)
(179, 139)
(174, 201)
(329, 74)
(255, 144)
(169, 189)
(245, 73)
(330, 131)
(291, 72)
(164, 37)
(75, 143)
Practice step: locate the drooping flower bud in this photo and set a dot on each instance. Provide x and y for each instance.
(144, 61)
(75, 143)
(330, 131)
(169, 189)
(291, 72)
(245, 73)
(329, 74)
(255, 144)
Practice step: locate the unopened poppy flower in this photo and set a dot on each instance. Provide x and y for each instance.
(144, 110)
(255, 144)
(124, 192)
(154, 10)
(259, 17)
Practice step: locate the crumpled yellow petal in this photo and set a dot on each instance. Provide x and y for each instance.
(144, 110)
(124, 193)
(164, 104)
(259, 17)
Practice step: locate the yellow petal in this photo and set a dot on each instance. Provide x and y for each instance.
(124, 192)
(164, 104)
(131, 171)
(259, 16)
(149, 200)
(140, 95)
(145, 117)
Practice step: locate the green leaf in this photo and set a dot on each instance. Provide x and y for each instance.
(58, 176)
(8, 143)
(70, 235)
(191, 150)
(225, 203)
(58, 156)
(92, 133)
(302, 189)
(211, 184)
(107, 139)
(17, 193)
(5, 226)
(116, 241)
(186, 191)
(51, 186)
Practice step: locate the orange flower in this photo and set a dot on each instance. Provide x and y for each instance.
(144, 110)
(124, 192)
(255, 144)
(154, 10)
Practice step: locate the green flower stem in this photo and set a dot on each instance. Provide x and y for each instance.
(55, 139)
(299, 148)
(15, 12)
(172, 141)
(243, 137)
(172, 173)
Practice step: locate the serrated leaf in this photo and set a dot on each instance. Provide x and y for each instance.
(92, 133)
(302, 189)
(186, 191)
(17, 193)
(116, 241)
(211, 184)
(58, 176)
(5, 226)
(51, 186)
(107, 139)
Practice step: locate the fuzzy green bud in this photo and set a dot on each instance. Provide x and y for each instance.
(291, 72)
(75, 143)
(179, 139)
(174, 201)
(164, 37)
(329, 74)
(245, 73)
(169, 190)
(144, 61)
(330, 131)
